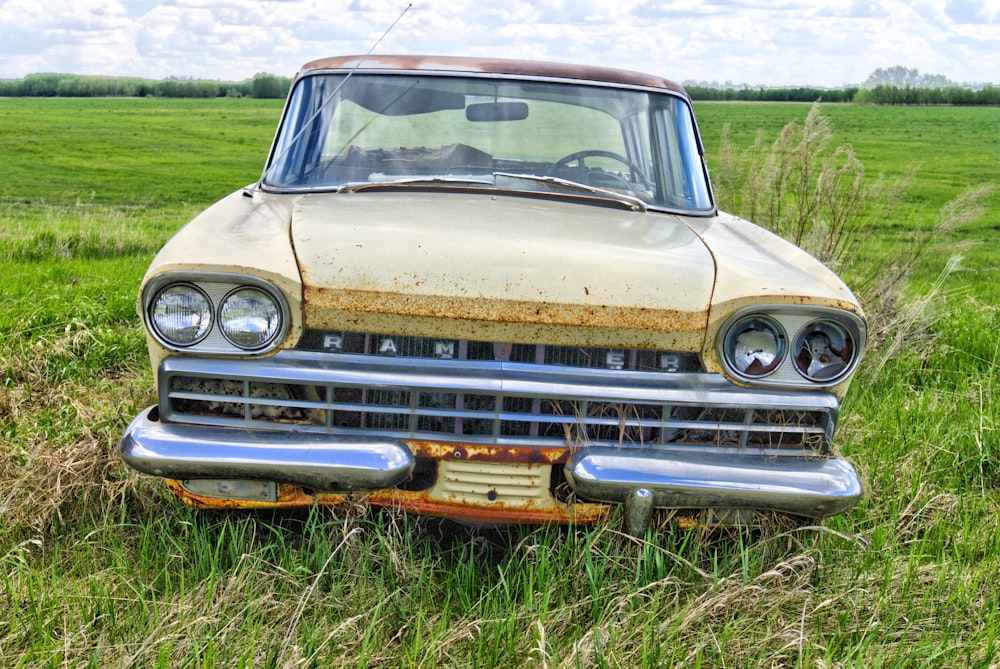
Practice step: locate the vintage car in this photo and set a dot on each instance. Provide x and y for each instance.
(498, 291)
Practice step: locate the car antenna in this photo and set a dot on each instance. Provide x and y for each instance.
(291, 142)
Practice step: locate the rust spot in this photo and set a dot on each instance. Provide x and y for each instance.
(290, 496)
(477, 318)
(549, 511)
(479, 308)
(488, 453)
(491, 504)
(494, 512)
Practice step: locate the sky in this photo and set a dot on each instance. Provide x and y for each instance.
(825, 43)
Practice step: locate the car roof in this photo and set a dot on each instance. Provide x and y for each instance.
(460, 64)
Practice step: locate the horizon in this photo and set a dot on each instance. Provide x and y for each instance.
(931, 80)
(771, 43)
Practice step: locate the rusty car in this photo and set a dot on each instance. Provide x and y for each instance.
(498, 291)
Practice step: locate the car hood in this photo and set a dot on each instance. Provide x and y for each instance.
(501, 268)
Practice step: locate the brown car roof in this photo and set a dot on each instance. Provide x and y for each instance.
(493, 66)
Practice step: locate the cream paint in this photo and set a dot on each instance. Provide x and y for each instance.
(754, 263)
(503, 265)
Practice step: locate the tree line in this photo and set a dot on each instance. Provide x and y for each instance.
(896, 85)
(988, 95)
(261, 85)
(882, 94)
(892, 86)
(699, 91)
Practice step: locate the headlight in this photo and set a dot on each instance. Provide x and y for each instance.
(823, 351)
(215, 313)
(181, 314)
(791, 345)
(755, 346)
(249, 318)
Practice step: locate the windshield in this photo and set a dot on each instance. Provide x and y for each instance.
(343, 131)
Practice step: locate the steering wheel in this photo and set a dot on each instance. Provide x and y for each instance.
(580, 156)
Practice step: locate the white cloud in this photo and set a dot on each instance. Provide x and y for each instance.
(768, 42)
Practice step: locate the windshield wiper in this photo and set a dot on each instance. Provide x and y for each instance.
(416, 181)
(557, 184)
(552, 184)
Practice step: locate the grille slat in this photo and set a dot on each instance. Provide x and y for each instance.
(493, 403)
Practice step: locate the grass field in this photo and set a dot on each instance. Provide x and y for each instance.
(100, 568)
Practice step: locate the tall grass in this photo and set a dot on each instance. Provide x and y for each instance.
(100, 568)
(819, 197)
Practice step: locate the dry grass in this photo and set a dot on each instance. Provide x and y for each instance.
(799, 187)
(60, 457)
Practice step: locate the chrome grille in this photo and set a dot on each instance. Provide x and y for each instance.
(492, 402)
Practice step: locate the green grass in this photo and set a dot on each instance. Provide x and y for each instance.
(134, 153)
(100, 568)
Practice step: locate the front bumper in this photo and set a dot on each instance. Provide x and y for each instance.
(641, 478)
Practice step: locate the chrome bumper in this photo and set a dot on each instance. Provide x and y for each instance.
(644, 479)
(322, 462)
(640, 478)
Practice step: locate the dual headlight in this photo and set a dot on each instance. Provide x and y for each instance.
(821, 346)
(219, 315)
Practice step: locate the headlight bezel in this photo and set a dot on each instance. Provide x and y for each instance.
(794, 321)
(216, 287)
